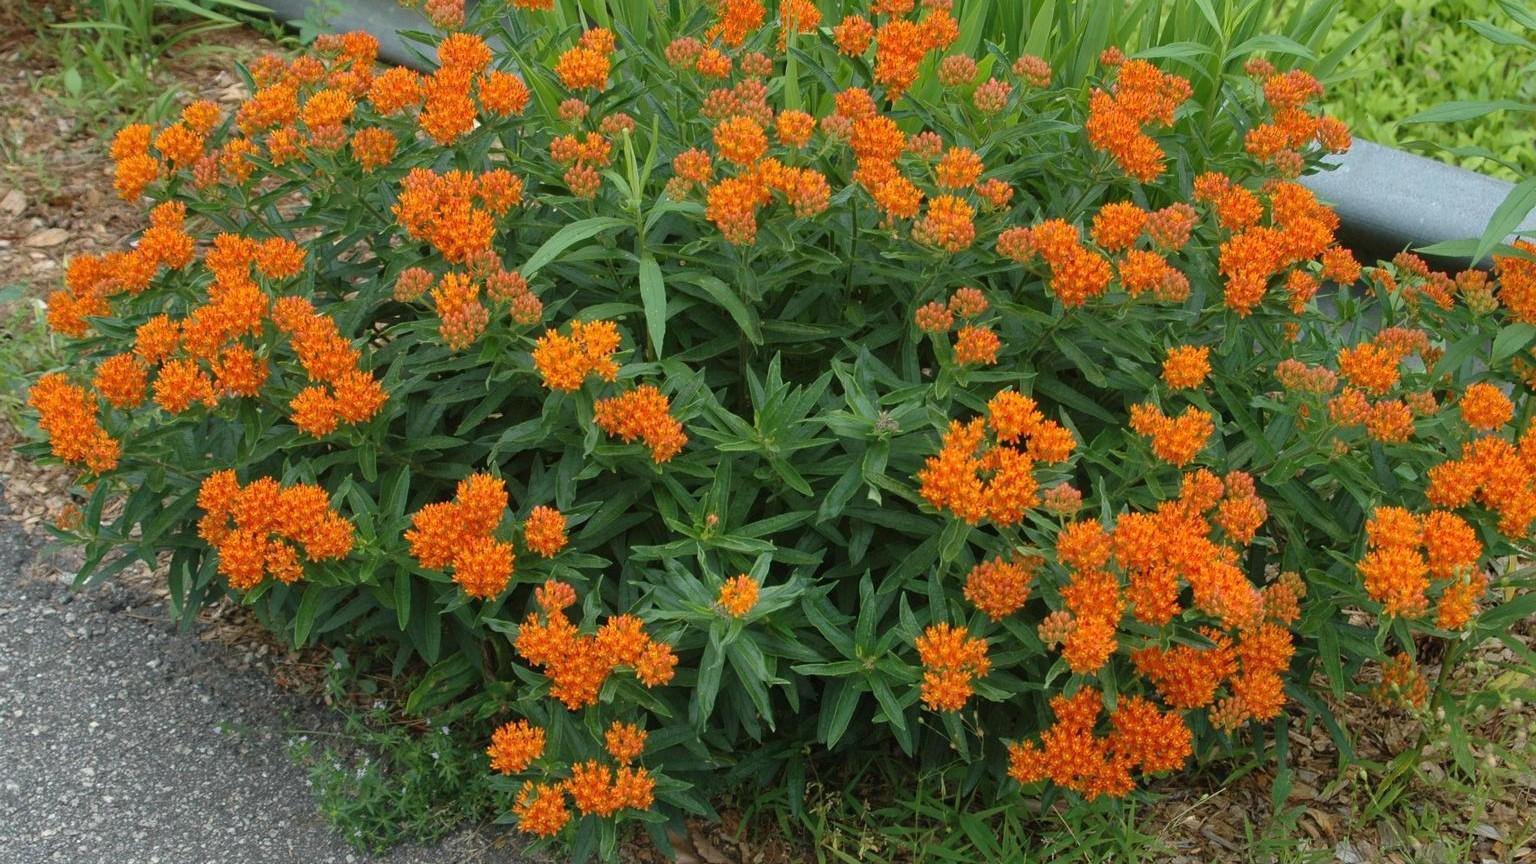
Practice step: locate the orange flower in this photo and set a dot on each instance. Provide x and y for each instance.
(503, 93)
(1186, 366)
(1397, 577)
(1175, 440)
(740, 140)
(582, 68)
(949, 224)
(1000, 588)
(564, 362)
(1118, 225)
(951, 659)
(67, 415)
(544, 531)
(624, 742)
(122, 380)
(794, 128)
(514, 746)
(540, 809)
(738, 595)
(959, 169)
(976, 345)
(1484, 407)
(853, 35)
(642, 413)
(484, 567)
(373, 148)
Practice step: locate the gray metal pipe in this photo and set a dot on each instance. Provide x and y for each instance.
(1387, 200)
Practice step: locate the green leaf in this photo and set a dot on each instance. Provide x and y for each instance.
(309, 608)
(1507, 218)
(653, 297)
(565, 238)
(1458, 110)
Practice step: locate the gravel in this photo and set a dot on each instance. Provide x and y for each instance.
(124, 741)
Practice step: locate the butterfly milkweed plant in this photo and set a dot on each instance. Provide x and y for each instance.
(694, 395)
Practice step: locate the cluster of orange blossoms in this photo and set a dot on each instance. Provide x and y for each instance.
(578, 664)
(460, 534)
(642, 414)
(976, 479)
(339, 390)
(1494, 473)
(1371, 371)
(1079, 273)
(268, 520)
(440, 209)
(738, 595)
(1175, 440)
(564, 362)
(952, 659)
(596, 789)
(1407, 551)
(211, 353)
(1141, 96)
(1071, 755)
(1282, 140)
(1299, 229)
(68, 415)
(975, 343)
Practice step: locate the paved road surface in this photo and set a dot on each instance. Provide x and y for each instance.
(122, 741)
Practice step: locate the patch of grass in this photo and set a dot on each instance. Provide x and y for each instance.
(26, 346)
(1426, 52)
(383, 780)
(109, 52)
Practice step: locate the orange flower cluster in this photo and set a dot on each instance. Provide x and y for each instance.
(1300, 229)
(1078, 273)
(1484, 407)
(594, 788)
(1406, 551)
(951, 659)
(999, 588)
(1494, 473)
(1176, 440)
(564, 362)
(1141, 96)
(544, 531)
(339, 390)
(91, 281)
(1403, 682)
(975, 342)
(643, 413)
(738, 595)
(440, 209)
(1517, 282)
(974, 478)
(1072, 756)
(1283, 139)
(68, 416)
(1185, 367)
(514, 746)
(459, 534)
(1158, 554)
(268, 520)
(577, 664)
(586, 65)
(1372, 369)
